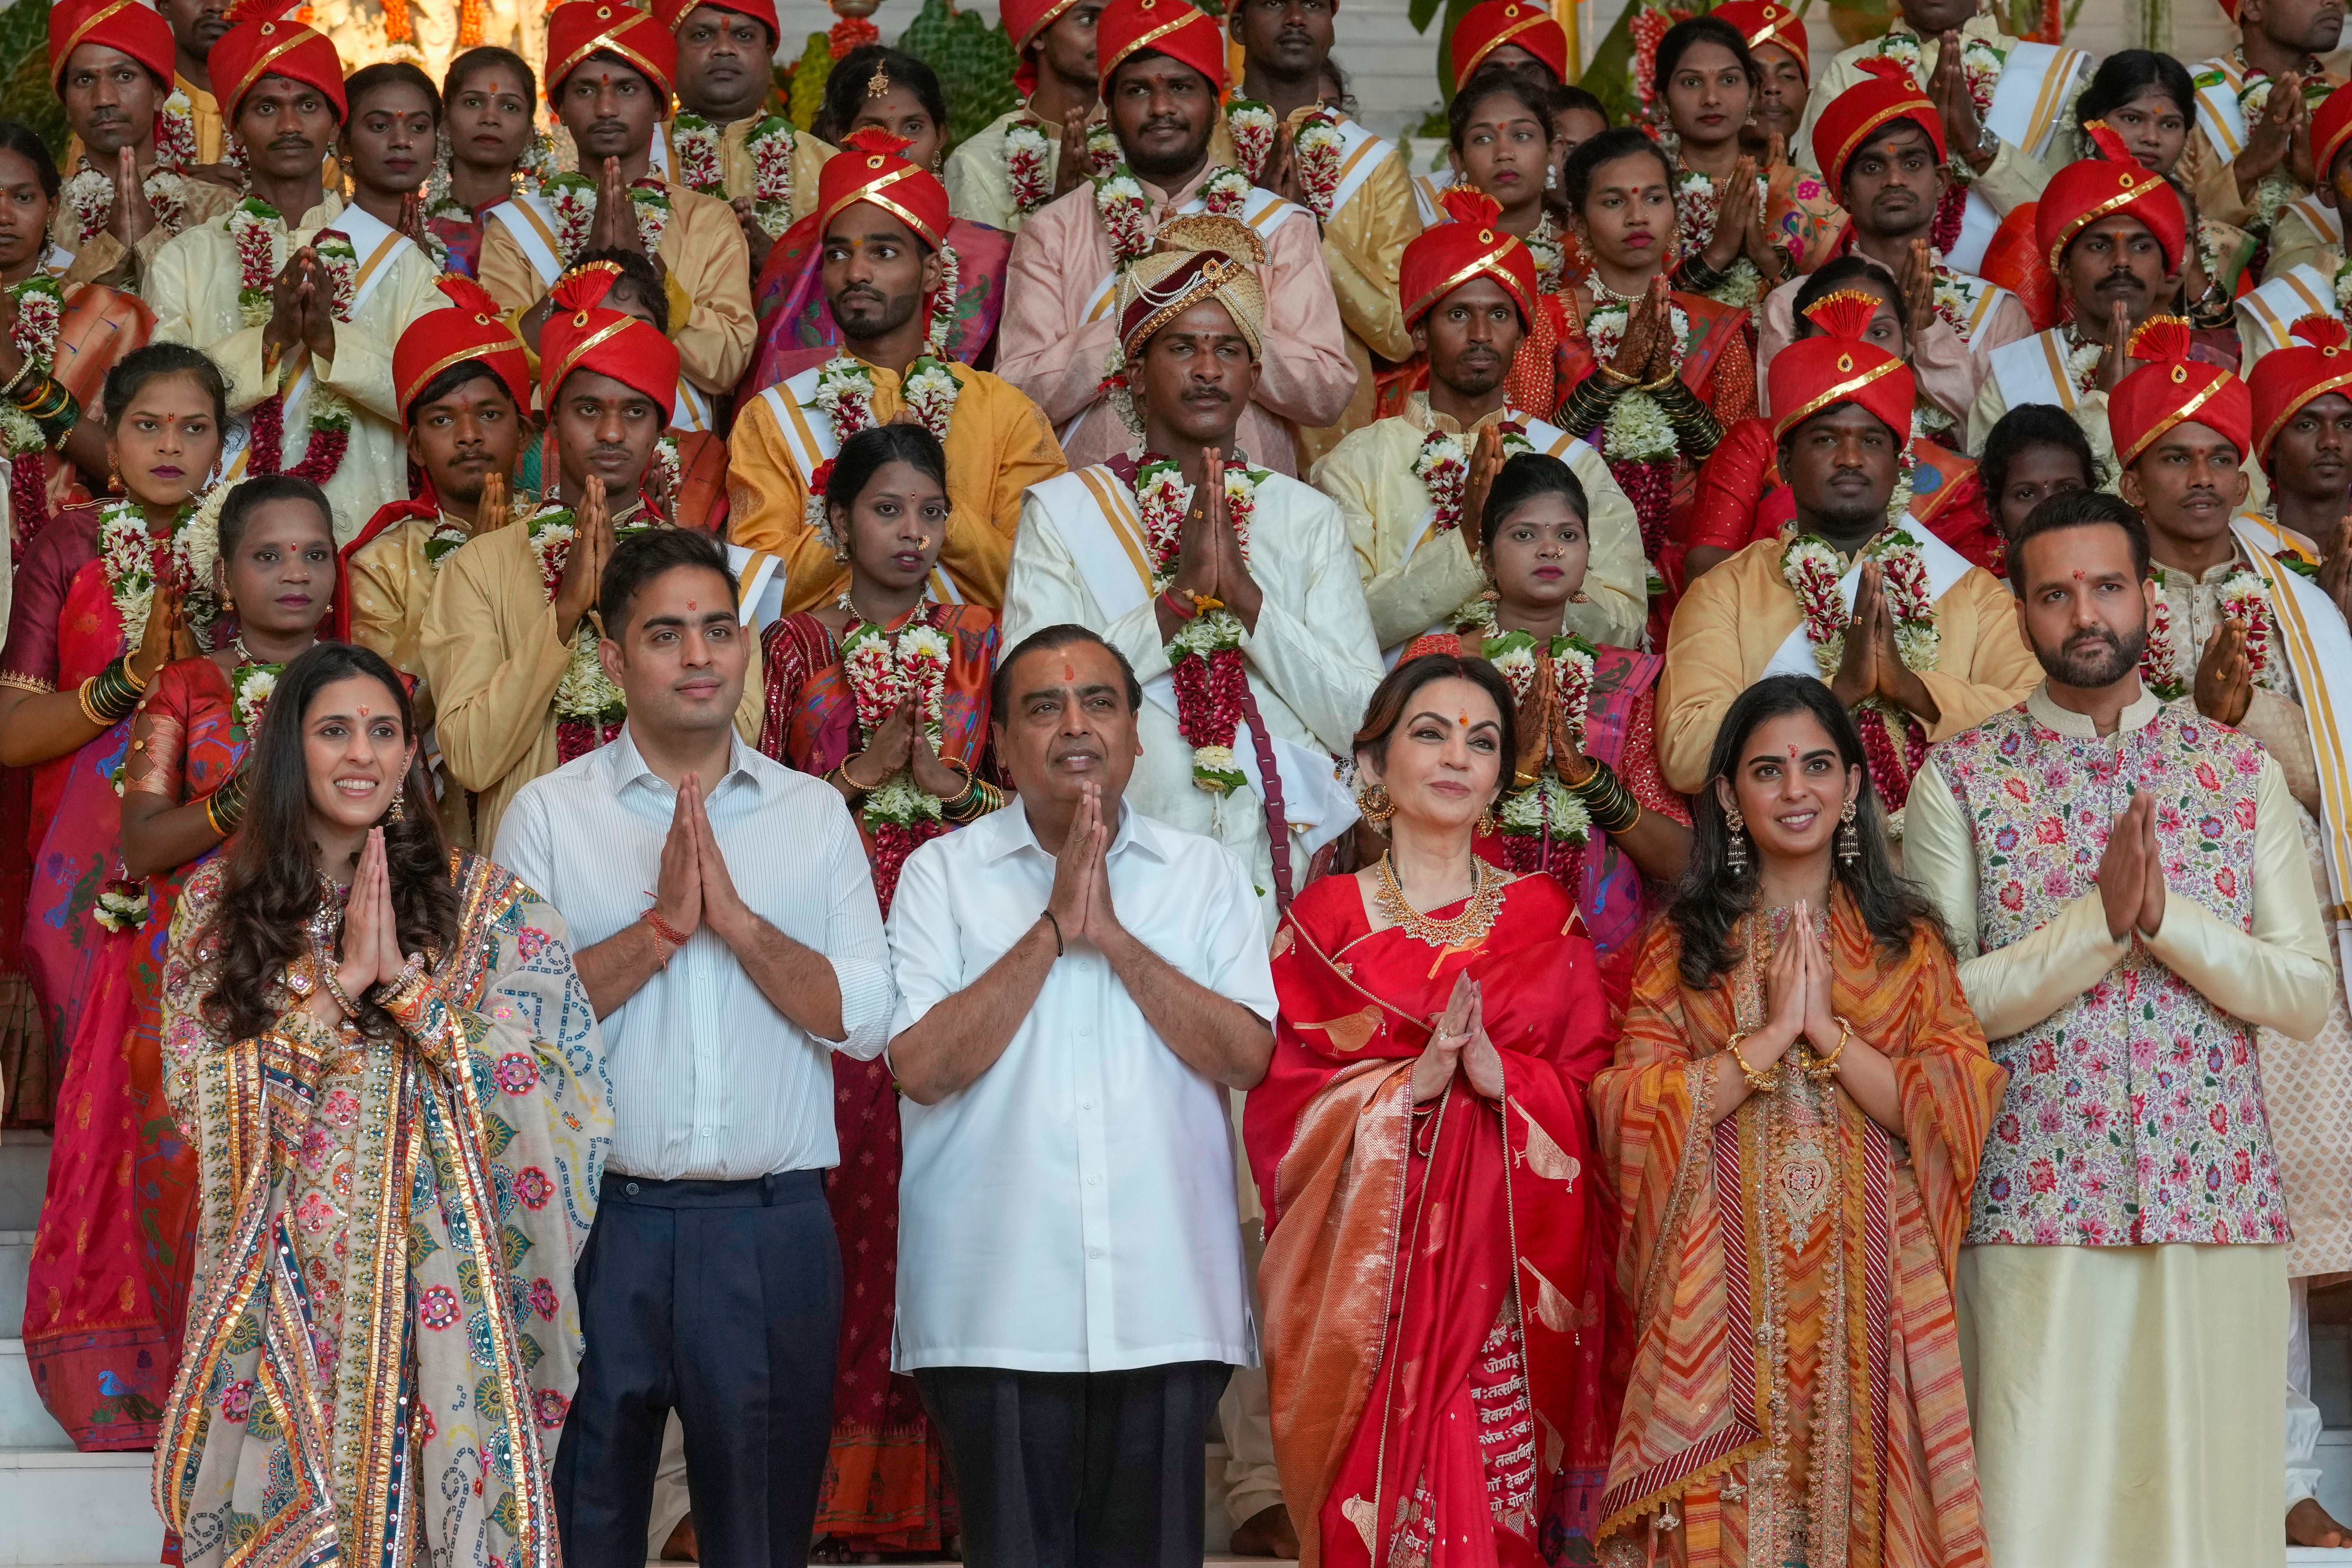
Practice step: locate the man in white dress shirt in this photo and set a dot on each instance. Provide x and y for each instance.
(1080, 986)
(712, 1284)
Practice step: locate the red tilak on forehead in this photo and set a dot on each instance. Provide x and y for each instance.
(363, 710)
(1069, 670)
(692, 606)
(2078, 573)
(1792, 753)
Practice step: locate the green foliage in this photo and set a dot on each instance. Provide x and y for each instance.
(808, 81)
(974, 58)
(1610, 76)
(26, 95)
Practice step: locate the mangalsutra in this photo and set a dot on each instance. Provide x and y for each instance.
(1463, 930)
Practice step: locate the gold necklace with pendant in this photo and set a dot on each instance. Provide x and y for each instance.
(1463, 930)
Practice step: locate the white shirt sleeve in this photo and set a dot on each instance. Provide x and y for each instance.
(923, 939)
(1239, 961)
(855, 947)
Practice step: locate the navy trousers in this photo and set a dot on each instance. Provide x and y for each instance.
(721, 1300)
(1057, 1470)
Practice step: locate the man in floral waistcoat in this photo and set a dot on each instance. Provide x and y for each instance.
(2129, 894)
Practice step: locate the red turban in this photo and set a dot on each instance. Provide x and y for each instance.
(1769, 22)
(673, 13)
(1445, 256)
(578, 28)
(274, 46)
(2083, 192)
(1837, 366)
(2331, 127)
(1486, 27)
(2283, 380)
(133, 26)
(2171, 389)
(868, 169)
(1172, 27)
(1023, 20)
(474, 329)
(582, 334)
(1885, 94)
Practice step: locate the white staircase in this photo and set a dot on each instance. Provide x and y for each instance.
(58, 1507)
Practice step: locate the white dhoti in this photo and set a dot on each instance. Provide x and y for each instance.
(2124, 1403)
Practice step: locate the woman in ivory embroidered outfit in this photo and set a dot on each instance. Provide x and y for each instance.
(395, 1089)
(1792, 1125)
(1436, 1273)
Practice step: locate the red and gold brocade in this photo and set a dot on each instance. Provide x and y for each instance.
(1798, 1223)
(1434, 1273)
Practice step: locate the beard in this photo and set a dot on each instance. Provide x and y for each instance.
(1847, 517)
(876, 319)
(1158, 167)
(2089, 660)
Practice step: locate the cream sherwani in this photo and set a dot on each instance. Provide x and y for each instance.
(105, 260)
(1061, 325)
(1949, 361)
(192, 289)
(1375, 214)
(735, 167)
(2308, 232)
(1739, 623)
(2035, 370)
(1413, 577)
(998, 445)
(491, 654)
(710, 268)
(979, 190)
(2209, 159)
(1312, 660)
(2122, 1383)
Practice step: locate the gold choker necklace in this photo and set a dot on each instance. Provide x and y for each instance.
(1465, 930)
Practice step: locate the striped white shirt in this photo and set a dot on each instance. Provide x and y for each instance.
(709, 1082)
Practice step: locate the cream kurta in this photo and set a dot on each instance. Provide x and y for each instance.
(998, 445)
(1950, 368)
(735, 167)
(1061, 325)
(979, 190)
(192, 289)
(2012, 178)
(2212, 173)
(702, 246)
(1312, 660)
(1364, 245)
(490, 649)
(104, 260)
(1410, 584)
(2301, 238)
(1732, 620)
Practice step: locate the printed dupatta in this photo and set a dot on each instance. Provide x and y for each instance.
(385, 1335)
(1447, 1261)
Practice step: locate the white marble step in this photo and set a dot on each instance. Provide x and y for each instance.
(68, 1508)
(25, 1425)
(15, 1264)
(23, 1177)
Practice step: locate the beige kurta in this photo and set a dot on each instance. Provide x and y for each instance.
(735, 168)
(1364, 245)
(1732, 620)
(1410, 584)
(1060, 326)
(488, 641)
(104, 260)
(702, 246)
(998, 445)
(2212, 173)
(979, 190)
(192, 289)
(390, 582)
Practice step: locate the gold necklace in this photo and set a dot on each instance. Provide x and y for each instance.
(1463, 930)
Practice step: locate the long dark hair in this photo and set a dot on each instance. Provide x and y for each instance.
(270, 885)
(2124, 75)
(1703, 30)
(845, 87)
(1712, 896)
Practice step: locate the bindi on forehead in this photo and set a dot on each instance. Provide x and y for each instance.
(692, 606)
(1069, 673)
(1792, 753)
(363, 710)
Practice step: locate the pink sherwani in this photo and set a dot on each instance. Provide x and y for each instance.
(1950, 366)
(1048, 346)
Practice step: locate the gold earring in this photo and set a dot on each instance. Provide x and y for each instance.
(1734, 858)
(1849, 836)
(1487, 819)
(1374, 801)
(400, 804)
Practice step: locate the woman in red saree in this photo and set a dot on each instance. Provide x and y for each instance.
(796, 325)
(1437, 1246)
(1739, 498)
(887, 1487)
(1792, 1125)
(111, 1260)
(1586, 803)
(61, 737)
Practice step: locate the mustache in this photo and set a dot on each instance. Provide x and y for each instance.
(1205, 394)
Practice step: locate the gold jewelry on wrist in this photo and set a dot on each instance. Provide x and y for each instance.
(851, 779)
(1826, 1066)
(1616, 376)
(1760, 1080)
(332, 985)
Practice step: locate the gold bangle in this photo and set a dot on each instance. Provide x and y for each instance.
(1616, 376)
(851, 779)
(1760, 1080)
(1826, 1066)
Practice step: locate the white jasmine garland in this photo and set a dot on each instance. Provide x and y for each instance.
(1636, 429)
(1026, 155)
(845, 399)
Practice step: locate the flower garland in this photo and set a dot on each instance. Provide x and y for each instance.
(2082, 365)
(1322, 150)
(668, 468)
(1545, 810)
(1126, 210)
(694, 144)
(40, 309)
(2277, 188)
(1026, 152)
(1253, 126)
(89, 196)
(446, 536)
(883, 668)
(1204, 657)
(771, 144)
(1981, 63)
(253, 684)
(134, 561)
(572, 198)
(175, 133)
(2244, 598)
(1548, 246)
(1444, 465)
(589, 709)
(1697, 206)
(845, 396)
(1811, 570)
(255, 229)
(1636, 437)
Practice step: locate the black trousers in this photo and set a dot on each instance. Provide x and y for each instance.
(721, 1300)
(1104, 1469)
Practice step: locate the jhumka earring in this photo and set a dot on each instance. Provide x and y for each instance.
(1374, 801)
(1736, 856)
(400, 805)
(1849, 836)
(1487, 818)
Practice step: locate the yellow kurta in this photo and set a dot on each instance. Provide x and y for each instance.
(702, 244)
(489, 645)
(998, 445)
(735, 161)
(1410, 586)
(1364, 247)
(390, 581)
(1734, 619)
(204, 120)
